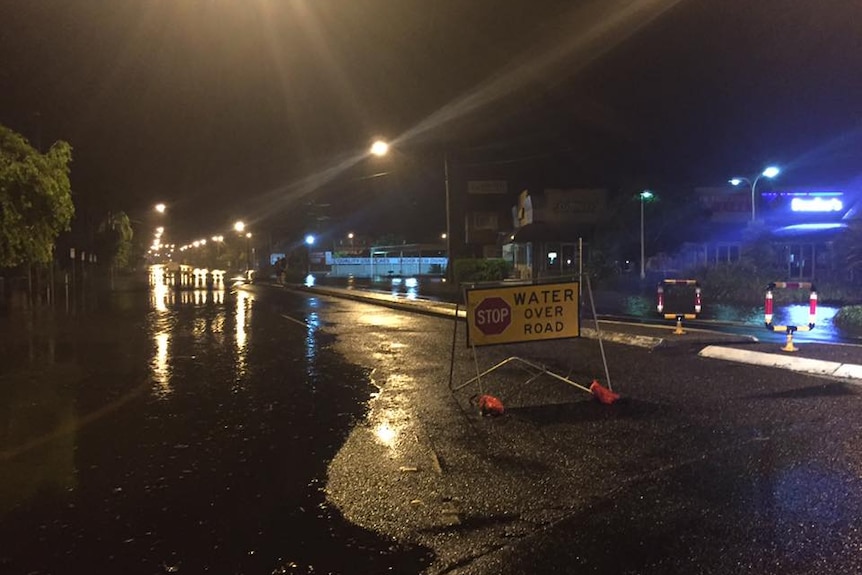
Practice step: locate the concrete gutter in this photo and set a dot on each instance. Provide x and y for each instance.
(798, 364)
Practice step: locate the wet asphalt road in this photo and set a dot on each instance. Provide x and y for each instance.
(230, 435)
(183, 433)
(705, 466)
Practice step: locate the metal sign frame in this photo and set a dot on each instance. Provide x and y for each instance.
(568, 294)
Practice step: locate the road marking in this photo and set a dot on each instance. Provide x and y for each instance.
(294, 320)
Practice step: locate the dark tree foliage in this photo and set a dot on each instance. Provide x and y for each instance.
(35, 199)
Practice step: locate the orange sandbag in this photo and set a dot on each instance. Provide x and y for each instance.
(490, 405)
(603, 394)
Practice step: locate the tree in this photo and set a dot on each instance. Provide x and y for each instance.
(35, 199)
(114, 240)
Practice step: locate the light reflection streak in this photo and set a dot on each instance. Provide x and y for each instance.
(162, 296)
(383, 318)
(386, 434)
(160, 365)
(167, 295)
(243, 317)
(312, 323)
(391, 417)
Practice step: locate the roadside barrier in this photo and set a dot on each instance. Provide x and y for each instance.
(509, 313)
(790, 329)
(679, 316)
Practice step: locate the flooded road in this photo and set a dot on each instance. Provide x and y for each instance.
(179, 432)
(725, 317)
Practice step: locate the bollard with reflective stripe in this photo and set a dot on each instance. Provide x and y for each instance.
(790, 329)
(767, 306)
(679, 316)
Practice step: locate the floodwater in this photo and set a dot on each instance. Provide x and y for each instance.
(188, 432)
(643, 307)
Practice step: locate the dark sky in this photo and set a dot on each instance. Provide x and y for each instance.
(230, 109)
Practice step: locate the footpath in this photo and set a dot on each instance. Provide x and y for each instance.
(843, 361)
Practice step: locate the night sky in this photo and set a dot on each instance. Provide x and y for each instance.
(262, 109)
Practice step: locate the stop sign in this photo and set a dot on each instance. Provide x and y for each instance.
(493, 315)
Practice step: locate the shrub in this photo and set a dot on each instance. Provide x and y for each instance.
(849, 319)
(738, 282)
(480, 270)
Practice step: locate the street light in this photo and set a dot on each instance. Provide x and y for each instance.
(644, 197)
(381, 148)
(309, 241)
(160, 208)
(249, 252)
(239, 227)
(218, 240)
(769, 172)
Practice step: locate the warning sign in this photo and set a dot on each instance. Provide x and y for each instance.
(532, 312)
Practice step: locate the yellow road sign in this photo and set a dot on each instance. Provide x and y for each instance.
(521, 313)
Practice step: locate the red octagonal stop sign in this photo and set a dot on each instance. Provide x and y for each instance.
(493, 315)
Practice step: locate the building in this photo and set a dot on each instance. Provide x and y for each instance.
(550, 230)
(800, 224)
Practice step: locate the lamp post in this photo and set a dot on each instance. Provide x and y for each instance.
(644, 196)
(249, 252)
(769, 172)
(309, 241)
(380, 148)
(239, 227)
(218, 240)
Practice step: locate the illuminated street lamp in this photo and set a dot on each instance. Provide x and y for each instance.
(644, 196)
(239, 228)
(309, 241)
(218, 240)
(769, 172)
(379, 148)
(160, 208)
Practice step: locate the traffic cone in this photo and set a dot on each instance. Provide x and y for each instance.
(490, 405)
(603, 394)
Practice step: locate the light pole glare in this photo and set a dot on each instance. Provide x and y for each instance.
(379, 148)
(770, 172)
(239, 226)
(644, 196)
(160, 208)
(309, 239)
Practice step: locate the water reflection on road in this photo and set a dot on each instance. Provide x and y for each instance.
(181, 430)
